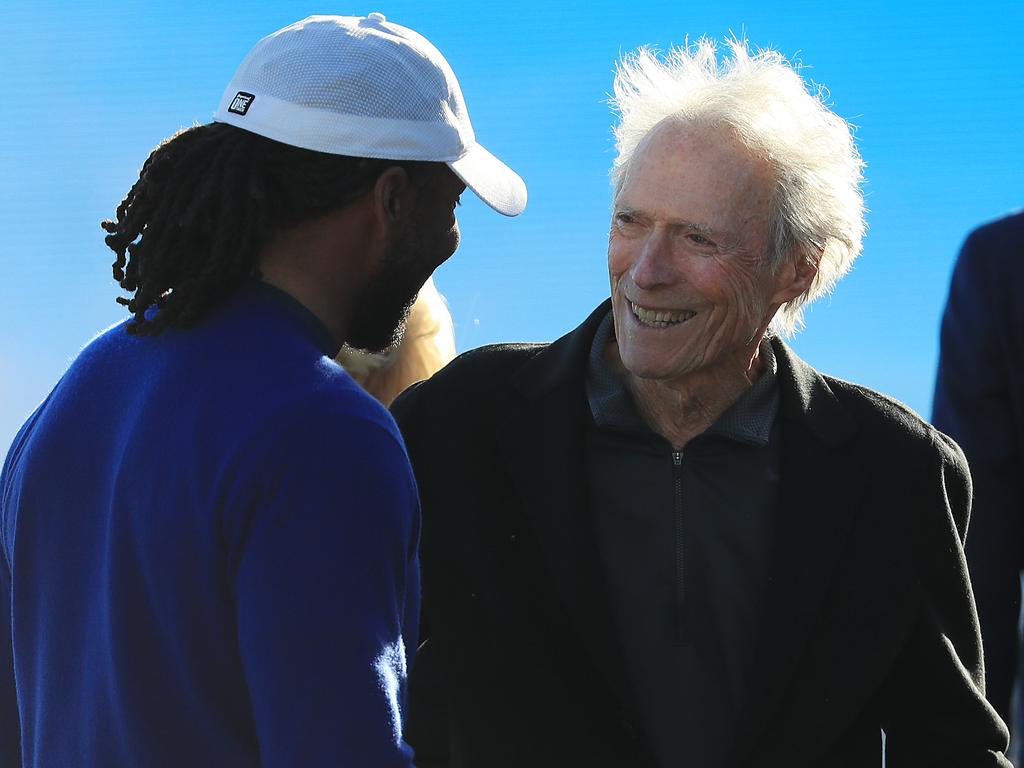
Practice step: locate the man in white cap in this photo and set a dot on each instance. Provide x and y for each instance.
(209, 531)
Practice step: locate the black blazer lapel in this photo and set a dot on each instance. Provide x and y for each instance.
(817, 503)
(543, 445)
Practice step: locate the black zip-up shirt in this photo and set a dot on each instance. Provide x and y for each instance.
(685, 538)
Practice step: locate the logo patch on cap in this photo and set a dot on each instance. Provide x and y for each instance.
(240, 104)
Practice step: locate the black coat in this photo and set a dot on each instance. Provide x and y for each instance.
(868, 621)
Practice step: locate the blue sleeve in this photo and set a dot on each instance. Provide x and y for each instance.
(327, 594)
(973, 404)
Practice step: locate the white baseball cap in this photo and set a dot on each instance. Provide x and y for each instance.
(365, 87)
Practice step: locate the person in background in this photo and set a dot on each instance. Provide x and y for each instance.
(427, 345)
(979, 402)
(182, 582)
(666, 540)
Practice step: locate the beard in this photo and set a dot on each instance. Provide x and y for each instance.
(379, 319)
(379, 330)
(382, 309)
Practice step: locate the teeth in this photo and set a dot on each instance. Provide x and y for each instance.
(660, 319)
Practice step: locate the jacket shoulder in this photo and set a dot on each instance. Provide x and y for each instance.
(883, 417)
(905, 449)
(465, 384)
(485, 365)
(995, 245)
(1011, 226)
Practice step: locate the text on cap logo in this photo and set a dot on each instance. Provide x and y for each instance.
(240, 104)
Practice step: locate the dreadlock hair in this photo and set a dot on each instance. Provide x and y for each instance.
(207, 201)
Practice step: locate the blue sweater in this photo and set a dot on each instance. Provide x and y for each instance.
(209, 546)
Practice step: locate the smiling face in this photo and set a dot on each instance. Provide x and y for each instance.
(688, 254)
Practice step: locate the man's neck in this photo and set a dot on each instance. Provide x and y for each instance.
(323, 263)
(683, 408)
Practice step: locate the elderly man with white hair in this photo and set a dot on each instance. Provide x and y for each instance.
(666, 540)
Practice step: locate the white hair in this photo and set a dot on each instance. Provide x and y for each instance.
(817, 205)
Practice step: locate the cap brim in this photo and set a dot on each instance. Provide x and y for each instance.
(492, 181)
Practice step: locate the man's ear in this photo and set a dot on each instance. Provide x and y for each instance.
(393, 197)
(795, 276)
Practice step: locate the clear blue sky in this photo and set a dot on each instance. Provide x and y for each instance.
(936, 91)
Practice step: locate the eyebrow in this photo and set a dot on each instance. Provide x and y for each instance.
(700, 229)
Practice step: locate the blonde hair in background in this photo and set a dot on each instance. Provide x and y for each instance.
(428, 345)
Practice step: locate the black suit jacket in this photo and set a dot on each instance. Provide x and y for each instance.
(979, 400)
(868, 621)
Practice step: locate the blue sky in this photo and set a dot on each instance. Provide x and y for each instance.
(935, 90)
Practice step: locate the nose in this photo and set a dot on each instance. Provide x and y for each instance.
(652, 267)
(458, 185)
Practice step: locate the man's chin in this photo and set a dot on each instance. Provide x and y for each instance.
(377, 334)
(376, 341)
(643, 367)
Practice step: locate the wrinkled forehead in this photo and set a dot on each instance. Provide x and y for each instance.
(686, 170)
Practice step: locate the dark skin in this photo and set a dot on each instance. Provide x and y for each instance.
(326, 263)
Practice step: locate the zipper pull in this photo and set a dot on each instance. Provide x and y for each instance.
(677, 458)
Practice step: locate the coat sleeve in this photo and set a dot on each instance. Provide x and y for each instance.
(973, 405)
(10, 716)
(10, 720)
(935, 713)
(428, 724)
(325, 564)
